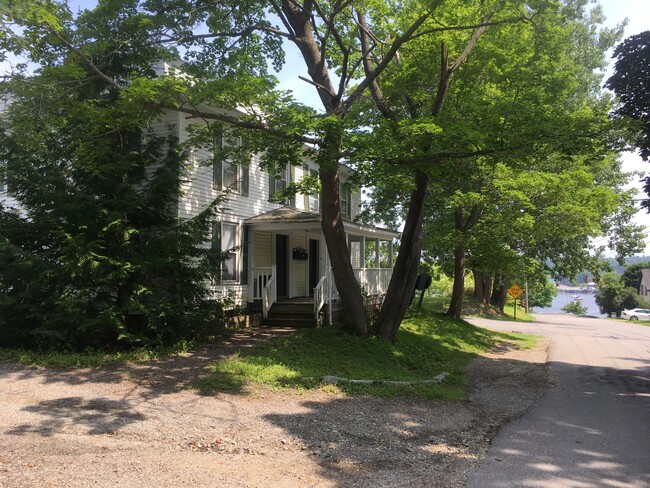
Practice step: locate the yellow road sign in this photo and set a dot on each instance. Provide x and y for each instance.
(515, 292)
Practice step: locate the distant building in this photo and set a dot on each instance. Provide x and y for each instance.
(644, 288)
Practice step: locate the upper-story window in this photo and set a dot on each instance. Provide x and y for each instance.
(345, 198)
(227, 173)
(312, 201)
(279, 182)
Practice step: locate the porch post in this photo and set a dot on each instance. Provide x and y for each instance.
(251, 264)
(390, 253)
(377, 259)
(362, 261)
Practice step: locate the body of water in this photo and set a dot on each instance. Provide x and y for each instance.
(566, 296)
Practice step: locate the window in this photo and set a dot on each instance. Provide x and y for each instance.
(345, 198)
(313, 200)
(229, 242)
(225, 239)
(227, 174)
(280, 182)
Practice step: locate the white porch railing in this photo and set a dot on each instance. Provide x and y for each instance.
(261, 276)
(263, 287)
(374, 280)
(320, 297)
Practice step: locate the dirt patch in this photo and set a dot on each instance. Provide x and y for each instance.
(141, 425)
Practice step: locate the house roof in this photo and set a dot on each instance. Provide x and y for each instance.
(291, 218)
(284, 215)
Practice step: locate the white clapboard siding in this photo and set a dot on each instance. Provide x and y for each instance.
(263, 250)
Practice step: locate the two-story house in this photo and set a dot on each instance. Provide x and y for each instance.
(280, 255)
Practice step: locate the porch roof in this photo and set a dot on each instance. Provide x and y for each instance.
(287, 218)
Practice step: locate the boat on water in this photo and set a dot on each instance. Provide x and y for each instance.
(577, 297)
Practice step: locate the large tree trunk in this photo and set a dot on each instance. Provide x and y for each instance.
(405, 272)
(499, 295)
(482, 287)
(346, 283)
(456, 306)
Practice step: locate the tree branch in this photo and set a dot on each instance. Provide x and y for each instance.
(85, 59)
(366, 49)
(365, 83)
(244, 124)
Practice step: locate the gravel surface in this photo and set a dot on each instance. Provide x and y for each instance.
(143, 425)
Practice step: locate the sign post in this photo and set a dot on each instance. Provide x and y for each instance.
(515, 292)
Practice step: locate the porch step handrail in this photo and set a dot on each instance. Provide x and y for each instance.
(261, 276)
(319, 297)
(269, 294)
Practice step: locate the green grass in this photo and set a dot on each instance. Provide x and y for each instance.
(473, 308)
(427, 344)
(90, 358)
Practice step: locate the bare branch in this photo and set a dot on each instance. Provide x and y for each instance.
(307, 80)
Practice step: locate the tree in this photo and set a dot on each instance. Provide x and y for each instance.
(613, 296)
(575, 308)
(541, 293)
(99, 258)
(525, 95)
(631, 83)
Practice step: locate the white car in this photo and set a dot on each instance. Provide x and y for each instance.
(636, 314)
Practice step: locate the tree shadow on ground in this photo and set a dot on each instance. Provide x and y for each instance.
(97, 416)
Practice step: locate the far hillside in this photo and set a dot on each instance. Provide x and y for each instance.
(586, 277)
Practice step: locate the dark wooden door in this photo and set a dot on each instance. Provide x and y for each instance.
(314, 275)
(281, 265)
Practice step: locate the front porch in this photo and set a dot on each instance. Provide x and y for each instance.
(289, 264)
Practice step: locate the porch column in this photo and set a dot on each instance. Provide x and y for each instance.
(251, 264)
(377, 258)
(362, 252)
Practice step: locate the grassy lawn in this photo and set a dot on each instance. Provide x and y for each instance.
(90, 359)
(428, 344)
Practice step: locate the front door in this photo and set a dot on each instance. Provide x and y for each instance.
(314, 275)
(281, 250)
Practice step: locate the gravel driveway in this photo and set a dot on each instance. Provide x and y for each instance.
(143, 425)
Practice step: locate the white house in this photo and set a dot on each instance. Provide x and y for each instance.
(644, 287)
(279, 253)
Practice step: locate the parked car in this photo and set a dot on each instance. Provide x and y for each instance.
(636, 314)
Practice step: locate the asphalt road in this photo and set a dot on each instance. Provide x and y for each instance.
(592, 429)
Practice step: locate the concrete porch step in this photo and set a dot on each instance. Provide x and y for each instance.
(296, 312)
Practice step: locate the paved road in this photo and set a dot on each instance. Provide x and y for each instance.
(592, 429)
